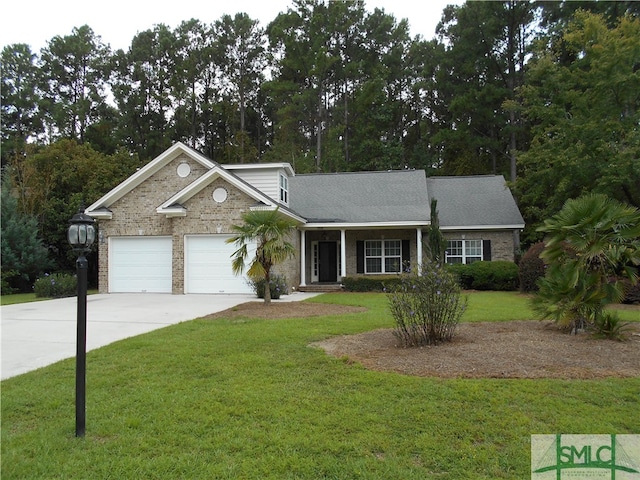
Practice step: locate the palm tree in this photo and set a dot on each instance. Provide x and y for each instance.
(268, 229)
(592, 242)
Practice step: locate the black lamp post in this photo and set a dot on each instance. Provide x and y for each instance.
(81, 235)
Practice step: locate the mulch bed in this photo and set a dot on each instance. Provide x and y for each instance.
(518, 349)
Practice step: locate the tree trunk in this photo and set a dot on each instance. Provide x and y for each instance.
(267, 289)
(319, 132)
(346, 122)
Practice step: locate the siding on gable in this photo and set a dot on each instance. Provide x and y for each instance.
(265, 180)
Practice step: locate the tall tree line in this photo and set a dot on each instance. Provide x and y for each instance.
(328, 85)
(545, 93)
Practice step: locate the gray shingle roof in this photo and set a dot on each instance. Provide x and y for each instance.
(404, 196)
(481, 200)
(361, 197)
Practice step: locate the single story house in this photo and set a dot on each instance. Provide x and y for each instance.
(164, 229)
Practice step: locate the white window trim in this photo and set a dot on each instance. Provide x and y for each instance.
(283, 189)
(383, 257)
(314, 262)
(464, 255)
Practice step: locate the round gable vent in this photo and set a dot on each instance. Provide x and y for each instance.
(183, 170)
(220, 195)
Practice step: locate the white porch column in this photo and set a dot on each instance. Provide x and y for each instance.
(419, 249)
(303, 258)
(343, 253)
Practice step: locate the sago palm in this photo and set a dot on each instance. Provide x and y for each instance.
(269, 230)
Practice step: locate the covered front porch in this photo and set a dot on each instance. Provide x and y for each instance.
(330, 252)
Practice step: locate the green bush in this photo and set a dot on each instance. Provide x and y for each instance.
(462, 273)
(57, 285)
(5, 285)
(496, 275)
(371, 283)
(588, 242)
(609, 325)
(277, 286)
(426, 308)
(531, 268)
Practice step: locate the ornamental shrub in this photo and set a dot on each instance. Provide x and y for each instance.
(589, 242)
(372, 283)
(494, 275)
(609, 325)
(277, 286)
(531, 268)
(57, 285)
(427, 308)
(462, 273)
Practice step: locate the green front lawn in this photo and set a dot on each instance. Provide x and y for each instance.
(245, 398)
(20, 298)
(28, 297)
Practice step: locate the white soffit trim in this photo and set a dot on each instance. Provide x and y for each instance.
(365, 226)
(145, 172)
(100, 214)
(483, 227)
(260, 166)
(174, 211)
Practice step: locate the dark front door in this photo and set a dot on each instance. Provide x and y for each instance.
(327, 262)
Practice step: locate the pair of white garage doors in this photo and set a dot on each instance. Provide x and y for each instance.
(144, 264)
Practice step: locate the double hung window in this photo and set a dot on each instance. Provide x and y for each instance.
(383, 256)
(464, 251)
(284, 190)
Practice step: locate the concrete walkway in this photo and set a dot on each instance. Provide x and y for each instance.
(38, 334)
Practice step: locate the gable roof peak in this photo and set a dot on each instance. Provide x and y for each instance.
(147, 171)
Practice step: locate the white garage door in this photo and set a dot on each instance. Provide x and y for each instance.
(208, 265)
(140, 264)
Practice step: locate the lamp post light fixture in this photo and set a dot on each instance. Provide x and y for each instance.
(81, 235)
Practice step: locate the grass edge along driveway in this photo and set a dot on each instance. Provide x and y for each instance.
(248, 398)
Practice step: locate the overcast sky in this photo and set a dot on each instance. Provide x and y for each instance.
(118, 21)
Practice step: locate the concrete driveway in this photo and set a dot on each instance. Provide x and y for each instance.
(38, 334)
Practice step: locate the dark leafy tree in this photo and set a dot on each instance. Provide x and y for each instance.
(52, 182)
(340, 84)
(484, 62)
(142, 89)
(242, 45)
(584, 118)
(194, 85)
(74, 73)
(299, 40)
(380, 107)
(20, 119)
(24, 256)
